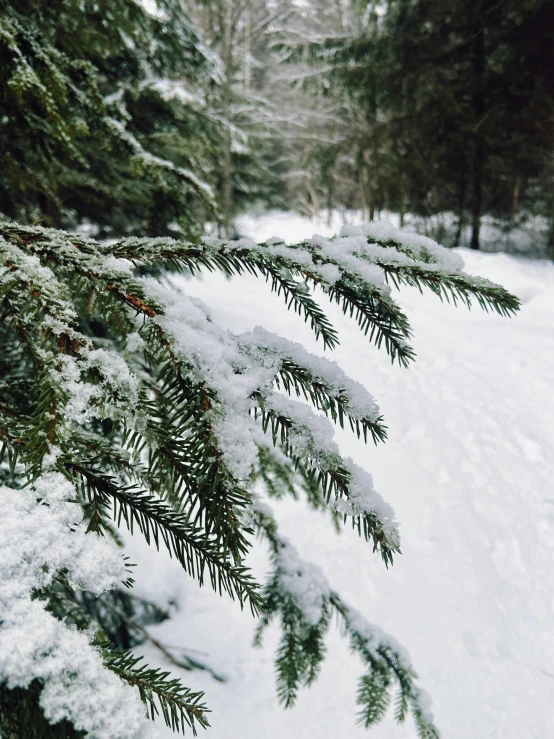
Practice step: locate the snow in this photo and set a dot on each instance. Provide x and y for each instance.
(215, 360)
(421, 246)
(116, 396)
(41, 279)
(341, 251)
(358, 401)
(364, 499)
(468, 468)
(150, 159)
(39, 537)
(174, 90)
(304, 581)
(310, 435)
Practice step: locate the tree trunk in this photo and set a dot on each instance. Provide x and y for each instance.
(313, 197)
(551, 236)
(478, 64)
(477, 195)
(367, 186)
(402, 203)
(461, 205)
(330, 198)
(247, 47)
(362, 185)
(227, 114)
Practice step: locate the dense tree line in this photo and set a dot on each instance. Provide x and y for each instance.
(182, 112)
(103, 102)
(453, 105)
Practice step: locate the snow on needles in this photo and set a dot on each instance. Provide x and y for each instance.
(304, 581)
(312, 436)
(214, 359)
(363, 499)
(174, 90)
(239, 368)
(357, 401)
(239, 373)
(409, 248)
(39, 537)
(116, 395)
(311, 592)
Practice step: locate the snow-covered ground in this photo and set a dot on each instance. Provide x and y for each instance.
(526, 237)
(469, 469)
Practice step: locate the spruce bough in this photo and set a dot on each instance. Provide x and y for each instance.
(122, 406)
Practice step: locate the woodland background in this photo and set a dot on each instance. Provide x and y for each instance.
(192, 112)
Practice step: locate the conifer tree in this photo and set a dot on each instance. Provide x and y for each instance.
(123, 407)
(457, 102)
(104, 103)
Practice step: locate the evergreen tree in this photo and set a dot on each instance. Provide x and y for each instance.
(123, 406)
(457, 103)
(103, 103)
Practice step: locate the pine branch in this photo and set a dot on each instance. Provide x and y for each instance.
(297, 297)
(373, 697)
(144, 404)
(374, 311)
(375, 314)
(300, 597)
(455, 287)
(281, 479)
(179, 706)
(293, 376)
(184, 459)
(234, 261)
(327, 470)
(192, 547)
(384, 663)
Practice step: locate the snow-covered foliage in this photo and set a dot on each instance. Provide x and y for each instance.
(300, 596)
(121, 116)
(42, 537)
(147, 159)
(119, 389)
(169, 89)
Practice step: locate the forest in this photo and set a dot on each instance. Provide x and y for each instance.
(185, 113)
(222, 223)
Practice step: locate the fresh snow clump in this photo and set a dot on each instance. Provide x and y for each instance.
(40, 536)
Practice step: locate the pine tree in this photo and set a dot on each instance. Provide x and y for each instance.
(123, 407)
(103, 103)
(456, 99)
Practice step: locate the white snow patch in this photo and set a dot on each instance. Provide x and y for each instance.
(40, 535)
